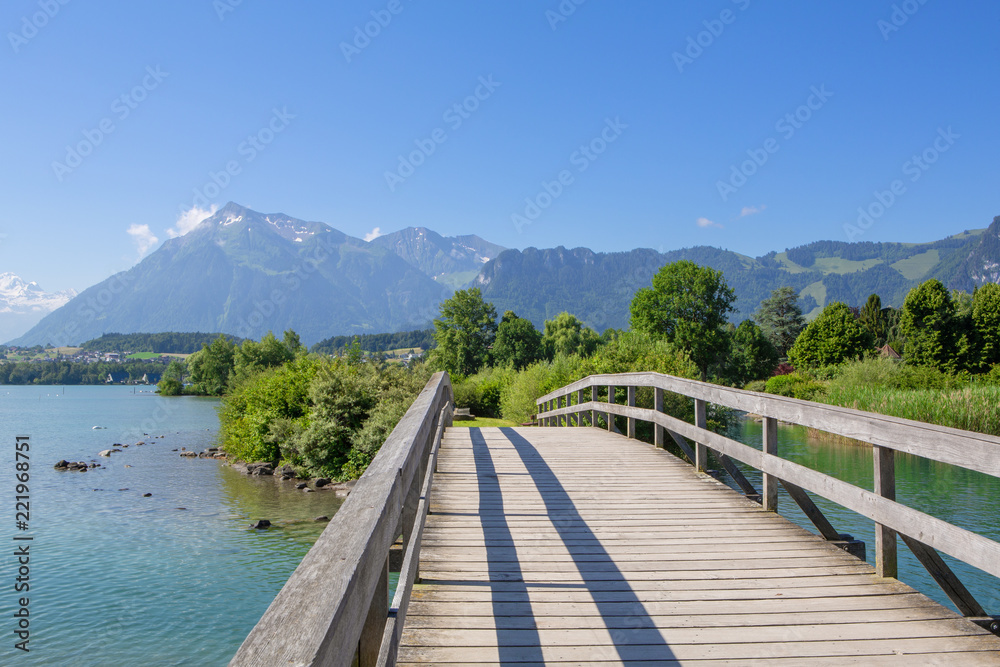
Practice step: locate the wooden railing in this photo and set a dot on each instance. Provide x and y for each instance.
(335, 607)
(578, 404)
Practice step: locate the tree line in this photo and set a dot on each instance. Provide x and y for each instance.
(381, 342)
(66, 372)
(169, 342)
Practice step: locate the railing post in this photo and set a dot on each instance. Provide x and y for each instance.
(580, 400)
(658, 406)
(631, 420)
(570, 416)
(593, 413)
(885, 486)
(378, 612)
(770, 499)
(559, 404)
(611, 399)
(700, 450)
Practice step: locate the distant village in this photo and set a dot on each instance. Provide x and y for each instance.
(51, 355)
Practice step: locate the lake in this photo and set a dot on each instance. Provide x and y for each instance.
(121, 579)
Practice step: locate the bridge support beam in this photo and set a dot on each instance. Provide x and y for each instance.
(770, 447)
(582, 416)
(700, 450)
(631, 420)
(885, 486)
(945, 578)
(657, 429)
(611, 417)
(593, 413)
(374, 628)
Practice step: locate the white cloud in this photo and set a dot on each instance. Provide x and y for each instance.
(143, 238)
(373, 234)
(705, 222)
(190, 219)
(751, 210)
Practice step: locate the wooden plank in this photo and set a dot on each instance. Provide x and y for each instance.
(541, 559)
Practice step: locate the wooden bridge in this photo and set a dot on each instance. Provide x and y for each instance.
(584, 545)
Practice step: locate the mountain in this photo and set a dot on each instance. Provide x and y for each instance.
(244, 273)
(23, 304)
(453, 261)
(598, 287)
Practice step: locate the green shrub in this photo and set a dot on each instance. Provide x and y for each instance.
(796, 385)
(756, 385)
(892, 374)
(517, 401)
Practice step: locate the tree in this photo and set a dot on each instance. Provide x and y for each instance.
(831, 338)
(292, 342)
(873, 319)
(780, 318)
(687, 305)
(252, 357)
(464, 332)
(172, 382)
(211, 367)
(566, 335)
(518, 343)
(753, 356)
(986, 322)
(931, 327)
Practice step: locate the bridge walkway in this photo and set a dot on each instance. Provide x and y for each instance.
(577, 546)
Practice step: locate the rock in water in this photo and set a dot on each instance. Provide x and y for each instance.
(321, 482)
(261, 524)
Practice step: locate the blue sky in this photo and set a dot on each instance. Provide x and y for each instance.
(611, 125)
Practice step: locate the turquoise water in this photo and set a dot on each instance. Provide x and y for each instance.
(962, 497)
(121, 579)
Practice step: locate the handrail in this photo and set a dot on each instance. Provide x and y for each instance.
(921, 532)
(335, 605)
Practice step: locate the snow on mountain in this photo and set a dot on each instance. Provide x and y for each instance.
(23, 304)
(18, 296)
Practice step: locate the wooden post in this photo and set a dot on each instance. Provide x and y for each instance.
(581, 416)
(658, 406)
(770, 447)
(378, 613)
(885, 486)
(701, 421)
(593, 413)
(559, 404)
(611, 417)
(631, 420)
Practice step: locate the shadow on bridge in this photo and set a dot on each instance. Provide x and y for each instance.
(630, 627)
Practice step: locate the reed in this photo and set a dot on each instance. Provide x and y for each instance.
(971, 408)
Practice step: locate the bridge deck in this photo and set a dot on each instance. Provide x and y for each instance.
(575, 546)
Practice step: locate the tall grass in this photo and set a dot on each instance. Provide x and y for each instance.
(971, 408)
